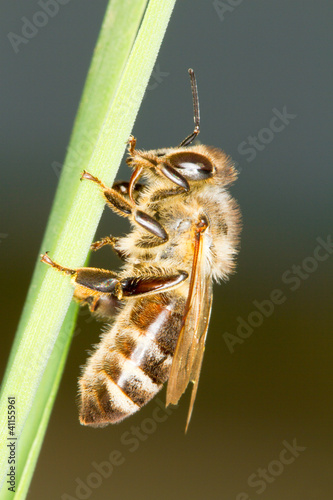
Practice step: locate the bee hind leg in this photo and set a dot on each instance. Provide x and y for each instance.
(89, 283)
(100, 289)
(93, 283)
(143, 285)
(102, 305)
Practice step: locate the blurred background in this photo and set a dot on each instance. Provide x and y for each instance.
(266, 386)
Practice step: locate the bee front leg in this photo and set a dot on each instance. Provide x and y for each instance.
(165, 170)
(126, 208)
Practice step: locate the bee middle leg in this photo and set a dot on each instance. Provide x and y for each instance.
(127, 208)
(110, 241)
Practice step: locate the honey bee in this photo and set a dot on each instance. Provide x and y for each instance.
(185, 233)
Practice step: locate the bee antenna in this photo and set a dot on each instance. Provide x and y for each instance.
(196, 111)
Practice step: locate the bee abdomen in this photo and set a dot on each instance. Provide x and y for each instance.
(132, 362)
(103, 402)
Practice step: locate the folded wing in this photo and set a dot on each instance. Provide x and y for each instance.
(190, 347)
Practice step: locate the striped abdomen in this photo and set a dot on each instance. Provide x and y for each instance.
(133, 359)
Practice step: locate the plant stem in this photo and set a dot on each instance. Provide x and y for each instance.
(110, 102)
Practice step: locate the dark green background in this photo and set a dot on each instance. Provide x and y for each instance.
(277, 385)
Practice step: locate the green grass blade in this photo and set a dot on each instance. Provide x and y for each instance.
(34, 430)
(115, 42)
(121, 22)
(107, 116)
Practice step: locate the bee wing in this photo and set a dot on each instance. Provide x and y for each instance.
(190, 347)
(202, 334)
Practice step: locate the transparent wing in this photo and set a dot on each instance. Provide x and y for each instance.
(203, 327)
(190, 347)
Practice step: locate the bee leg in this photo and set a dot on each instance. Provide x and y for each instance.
(135, 159)
(108, 240)
(93, 283)
(96, 284)
(91, 278)
(127, 208)
(131, 145)
(112, 242)
(164, 170)
(100, 289)
(143, 285)
(103, 305)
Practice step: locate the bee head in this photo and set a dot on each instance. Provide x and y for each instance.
(196, 163)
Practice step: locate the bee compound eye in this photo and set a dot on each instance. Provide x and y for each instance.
(193, 166)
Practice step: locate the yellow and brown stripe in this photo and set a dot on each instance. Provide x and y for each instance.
(133, 360)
